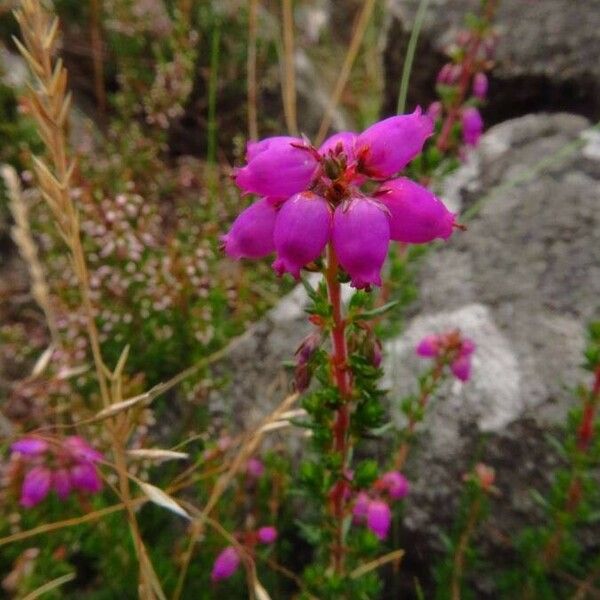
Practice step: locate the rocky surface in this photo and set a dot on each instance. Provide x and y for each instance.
(522, 281)
(546, 59)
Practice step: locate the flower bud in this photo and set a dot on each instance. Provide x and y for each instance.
(36, 486)
(302, 230)
(472, 125)
(434, 111)
(225, 564)
(361, 507)
(429, 346)
(416, 215)
(389, 145)
(277, 166)
(361, 235)
(480, 86)
(255, 468)
(379, 518)
(84, 477)
(251, 235)
(80, 449)
(28, 446)
(396, 484)
(267, 535)
(461, 368)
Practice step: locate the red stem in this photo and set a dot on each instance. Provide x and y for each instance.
(339, 362)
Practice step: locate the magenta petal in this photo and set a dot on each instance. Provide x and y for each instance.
(472, 125)
(80, 449)
(302, 230)
(255, 468)
(277, 167)
(84, 477)
(468, 347)
(251, 234)
(416, 215)
(361, 506)
(36, 486)
(225, 564)
(379, 518)
(30, 446)
(361, 235)
(389, 145)
(480, 85)
(267, 535)
(461, 367)
(61, 480)
(339, 143)
(428, 347)
(396, 484)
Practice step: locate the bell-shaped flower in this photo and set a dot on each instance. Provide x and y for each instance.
(302, 230)
(80, 449)
(361, 507)
(29, 446)
(61, 482)
(428, 347)
(480, 85)
(251, 234)
(267, 535)
(461, 368)
(416, 215)
(361, 234)
(338, 144)
(379, 518)
(395, 484)
(84, 477)
(389, 145)
(225, 564)
(36, 486)
(277, 166)
(472, 125)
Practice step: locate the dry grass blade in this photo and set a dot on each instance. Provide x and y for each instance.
(289, 69)
(23, 238)
(157, 454)
(163, 499)
(251, 71)
(396, 555)
(51, 585)
(355, 43)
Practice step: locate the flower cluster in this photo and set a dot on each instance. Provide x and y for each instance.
(449, 348)
(372, 508)
(314, 197)
(65, 467)
(228, 560)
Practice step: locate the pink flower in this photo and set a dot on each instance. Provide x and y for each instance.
(428, 347)
(267, 535)
(434, 111)
(255, 468)
(361, 507)
(338, 144)
(85, 478)
(461, 368)
(302, 230)
(416, 215)
(61, 481)
(29, 446)
(251, 234)
(225, 564)
(379, 518)
(36, 486)
(389, 145)
(480, 85)
(80, 449)
(277, 166)
(472, 125)
(361, 234)
(396, 484)
(445, 74)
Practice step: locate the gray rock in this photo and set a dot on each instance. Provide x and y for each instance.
(522, 282)
(546, 58)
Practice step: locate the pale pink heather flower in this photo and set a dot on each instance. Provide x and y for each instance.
(389, 145)
(379, 518)
(480, 85)
(434, 110)
(80, 449)
(277, 166)
(416, 215)
(251, 234)
(361, 234)
(255, 468)
(361, 506)
(302, 229)
(267, 535)
(36, 486)
(225, 564)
